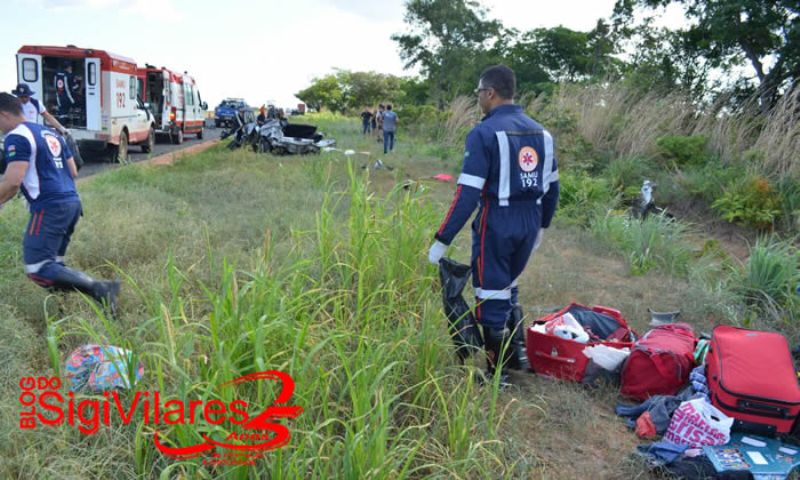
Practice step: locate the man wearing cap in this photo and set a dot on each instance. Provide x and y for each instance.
(41, 164)
(510, 174)
(33, 110)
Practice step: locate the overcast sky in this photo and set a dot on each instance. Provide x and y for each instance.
(259, 49)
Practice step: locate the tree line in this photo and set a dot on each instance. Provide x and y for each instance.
(741, 49)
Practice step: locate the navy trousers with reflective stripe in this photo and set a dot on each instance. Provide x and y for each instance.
(48, 233)
(502, 242)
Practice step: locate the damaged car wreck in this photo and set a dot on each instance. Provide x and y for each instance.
(271, 137)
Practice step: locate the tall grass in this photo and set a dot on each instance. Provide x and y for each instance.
(348, 308)
(627, 122)
(768, 279)
(655, 242)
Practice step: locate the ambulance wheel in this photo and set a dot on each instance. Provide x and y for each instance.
(119, 153)
(200, 134)
(177, 137)
(147, 146)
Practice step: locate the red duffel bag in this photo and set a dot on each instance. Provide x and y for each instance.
(751, 378)
(660, 362)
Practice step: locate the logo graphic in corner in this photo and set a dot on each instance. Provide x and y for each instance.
(528, 159)
(53, 144)
(264, 433)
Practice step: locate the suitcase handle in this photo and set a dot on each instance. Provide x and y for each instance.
(760, 408)
(554, 357)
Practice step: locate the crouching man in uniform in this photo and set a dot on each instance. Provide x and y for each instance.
(510, 174)
(40, 163)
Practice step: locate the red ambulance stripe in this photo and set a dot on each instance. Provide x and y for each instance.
(483, 241)
(450, 212)
(39, 224)
(40, 280)
(33, 223)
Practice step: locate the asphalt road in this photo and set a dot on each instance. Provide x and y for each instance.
(95, 163)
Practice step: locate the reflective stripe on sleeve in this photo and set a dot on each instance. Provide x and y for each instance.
(473, 181)
(547, 169)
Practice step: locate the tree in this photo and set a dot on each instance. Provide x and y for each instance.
(449, 41)
(325, 92)
(346, 90)
(763, 33)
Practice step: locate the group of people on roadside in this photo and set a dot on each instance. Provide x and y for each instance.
(383, 122)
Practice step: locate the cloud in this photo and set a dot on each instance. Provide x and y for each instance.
(376, 10)
(163, 11)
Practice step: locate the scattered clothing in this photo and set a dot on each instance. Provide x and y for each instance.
(645, 428)
(660, 408)
(660, 453)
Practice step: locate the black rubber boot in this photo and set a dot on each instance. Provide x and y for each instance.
(104, 292)
(518, 355)
(497, 353)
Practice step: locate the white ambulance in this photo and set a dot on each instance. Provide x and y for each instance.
(175, 102)
(103, 111)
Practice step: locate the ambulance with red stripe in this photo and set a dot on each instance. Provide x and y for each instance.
(108, 113)
(175, 101)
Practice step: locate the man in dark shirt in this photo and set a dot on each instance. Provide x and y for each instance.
(366, 116)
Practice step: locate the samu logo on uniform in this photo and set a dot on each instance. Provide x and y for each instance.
(54, 145)
(528, 160)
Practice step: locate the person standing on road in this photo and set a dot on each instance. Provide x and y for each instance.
(39, 162)
(389, 129)
(33, 110)
(510, 173)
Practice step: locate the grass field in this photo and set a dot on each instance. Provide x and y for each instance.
(235, 263)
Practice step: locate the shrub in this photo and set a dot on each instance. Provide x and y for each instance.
(769, 276)
(708, 181)
(789, 191)
(581, 195)
(751, 201)
(628, 173)
(656, 242)
(683, 150)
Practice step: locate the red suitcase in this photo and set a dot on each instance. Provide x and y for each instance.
(751, 377)
(554, 356)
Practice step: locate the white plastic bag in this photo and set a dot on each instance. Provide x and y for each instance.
(568, 328)
(609, 358)
(696, 423)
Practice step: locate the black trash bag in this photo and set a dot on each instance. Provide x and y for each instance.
(463, 327)
(76, 153)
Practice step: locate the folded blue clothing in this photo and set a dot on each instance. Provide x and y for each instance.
(698, 375)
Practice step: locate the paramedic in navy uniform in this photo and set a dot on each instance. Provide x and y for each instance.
(510, 174)
(33, 110)
(40, 163)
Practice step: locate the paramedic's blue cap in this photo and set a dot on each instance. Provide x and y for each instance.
(22, 90)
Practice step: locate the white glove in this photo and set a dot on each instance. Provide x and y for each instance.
(436, 252)
(538, 239)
